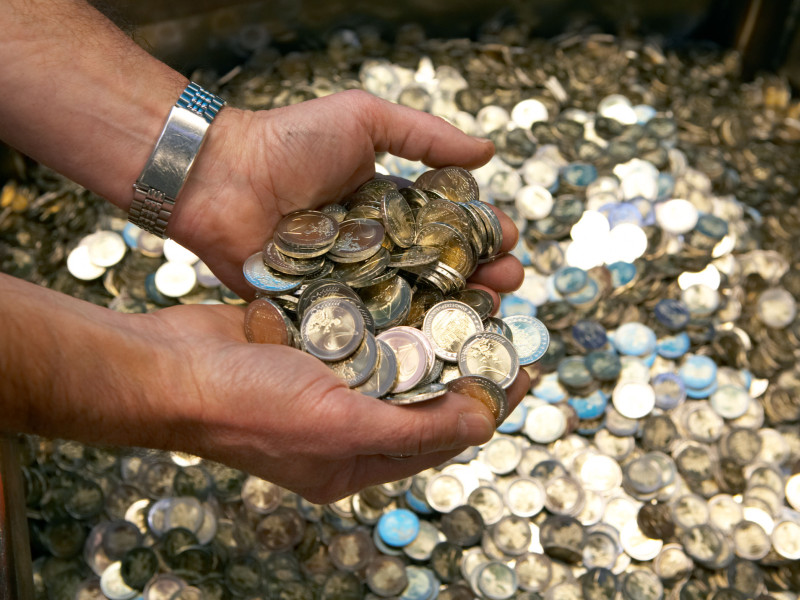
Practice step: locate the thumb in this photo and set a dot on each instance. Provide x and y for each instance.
(416, 135)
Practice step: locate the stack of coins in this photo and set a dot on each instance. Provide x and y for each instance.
(375, 288)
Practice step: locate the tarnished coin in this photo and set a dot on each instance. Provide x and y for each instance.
(389, 302)
(415, 256)
(456, 251)
(421, 302)
(490, 355)
(448, 325)
(363, 271)
(306, 232)
(398, 219)
(265, 323)
(386, 576)
(455, 183)
(351, 550)
(332, 329)
(283, 263)
(417, 394)
(358, 239)
(359, 366)
(530, 337)
(266, 280)
(412, 358)
(385, 373)
(442, 211)
(485, 390)
(480, 300)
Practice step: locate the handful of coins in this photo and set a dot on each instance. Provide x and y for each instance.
(376, 288)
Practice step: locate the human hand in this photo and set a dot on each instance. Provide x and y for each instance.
(259, 166)
(281, 414)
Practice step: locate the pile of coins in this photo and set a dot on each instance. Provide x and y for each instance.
(379, 292)
(658, 453)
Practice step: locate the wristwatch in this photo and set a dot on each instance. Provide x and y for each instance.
(165, 172)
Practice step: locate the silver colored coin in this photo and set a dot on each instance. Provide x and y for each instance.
(498, 326)
(490, 355)
(545, 423)
(106, 248)
(496, 581)
(412, 358)
(306, 230)
(283, 263)
(357, 368)
(332, 329)
(444, 211)
(385, 373)
(417, 394)
(266, 280)
(112, 584)
(486, 391)
(398, 219)
(448, 325)
(358, 239)
(786, 539)
(175, 279)
(444, 492)
(488, 501)
(80, 265)
(525, 496)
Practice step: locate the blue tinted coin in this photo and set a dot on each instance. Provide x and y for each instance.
(650, 359)
(511, 304)
(130, 233)
(634, 339)
(673, 314)
(266, 280)
(586, 295)
(698, 393)
(589, 334)
(398, 527)
(572, 372)
(550, 389)
(646, 209)
(515, 420)
(644, 112)
(674, 346)
(603, 365)
(570, 280)
(591, 406)
(418, 505)
(523, 255)
(711, 226)
(622, 273)
(422, 584)
(530, 337)
(579, 174)
(666, 184)
(698, 372)
(622, 212)
(669, 389)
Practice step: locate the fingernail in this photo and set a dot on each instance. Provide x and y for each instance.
(481, 139)
(474, 428)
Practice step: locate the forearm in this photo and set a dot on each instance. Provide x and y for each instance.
(80, 96)
(72, 369)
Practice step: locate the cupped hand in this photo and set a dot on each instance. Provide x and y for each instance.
(281, 414)
(259, 166)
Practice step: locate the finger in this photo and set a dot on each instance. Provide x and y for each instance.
(449, 422)
(376, 469)
(518, 389)
(416, 135)
(505, 274)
